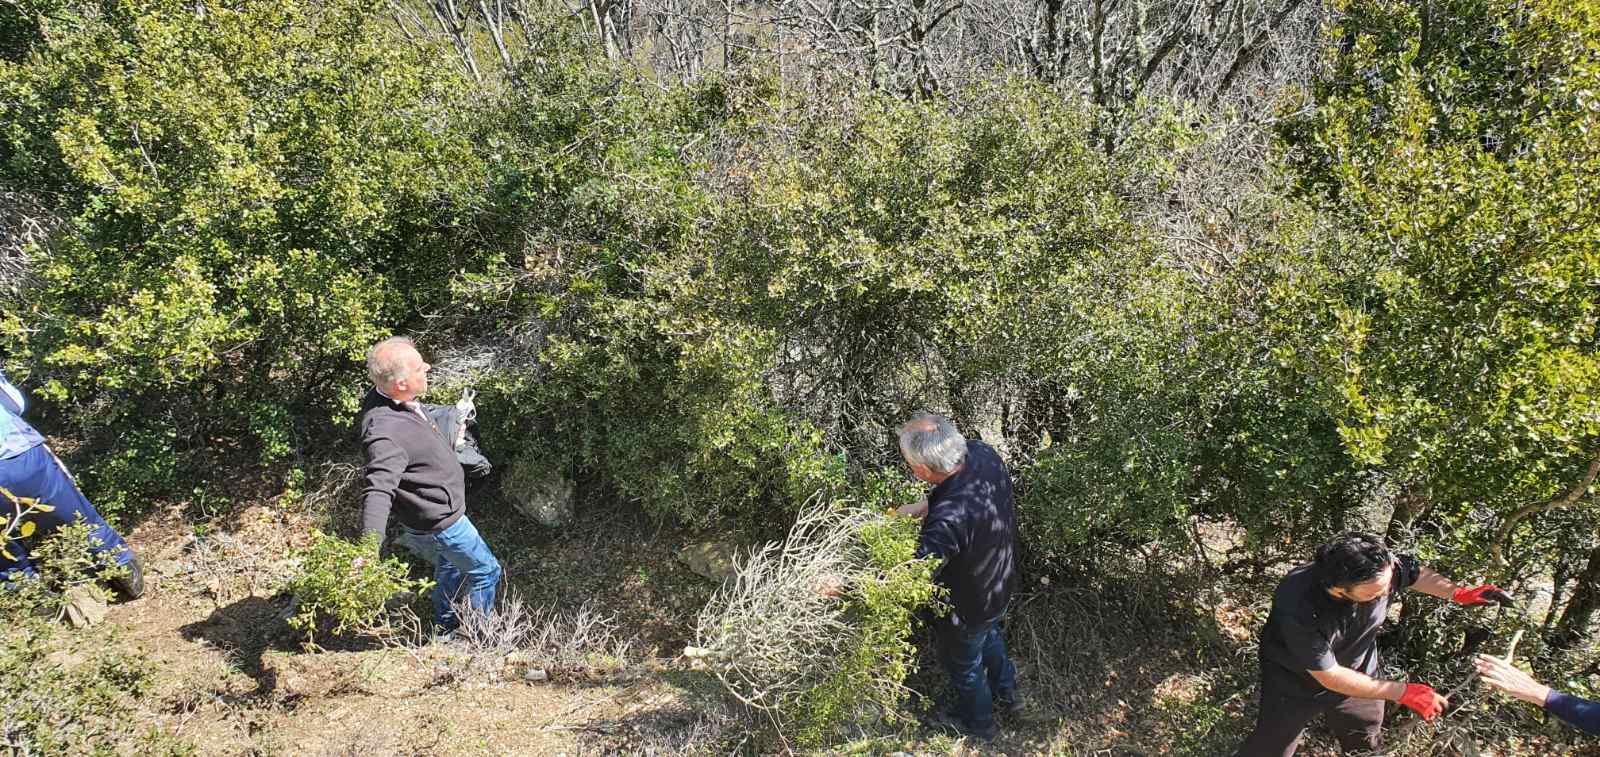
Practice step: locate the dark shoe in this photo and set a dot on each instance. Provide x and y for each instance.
(1011, 705)
(131, 585)
(452, 639)
(945, 720)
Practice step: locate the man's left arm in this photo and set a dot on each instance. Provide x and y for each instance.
(1432, 583)
(938, 539)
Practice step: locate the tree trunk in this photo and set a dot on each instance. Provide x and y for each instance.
(1575, 620)
(1558, 594)
(1408, 506)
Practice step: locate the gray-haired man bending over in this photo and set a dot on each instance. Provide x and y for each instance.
(971, 524)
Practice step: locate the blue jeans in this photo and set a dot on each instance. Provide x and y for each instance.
(37, 473)
(979, 668)
(461, 563)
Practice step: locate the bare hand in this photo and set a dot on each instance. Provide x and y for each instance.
(830, 586)
(1504, 676)
(916, 509)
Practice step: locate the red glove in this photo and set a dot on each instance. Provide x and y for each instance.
(1422, 698)
(1481, 595)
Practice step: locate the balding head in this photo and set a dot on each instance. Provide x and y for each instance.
(932, 442)
(397, 369)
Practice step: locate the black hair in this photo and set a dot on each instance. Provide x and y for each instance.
(1354, 558)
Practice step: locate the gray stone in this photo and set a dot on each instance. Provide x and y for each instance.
(85, 606)
(539, 493)
(712, 559)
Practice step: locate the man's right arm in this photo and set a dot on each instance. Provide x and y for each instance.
(386, 461)
(1419, 697)
(1354, 683)
(938, 539)
(1313, 652)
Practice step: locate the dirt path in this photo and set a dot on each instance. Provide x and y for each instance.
(1110, 669)
(229, 677)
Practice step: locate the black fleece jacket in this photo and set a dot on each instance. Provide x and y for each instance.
(410, 468)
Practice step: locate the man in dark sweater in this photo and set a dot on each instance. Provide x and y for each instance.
(969, 523)
(1583, 714)
(412, 471)
(1319, 649)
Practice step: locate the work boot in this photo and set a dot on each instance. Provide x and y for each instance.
(946, 719)
(131, 585)
(1011, 704)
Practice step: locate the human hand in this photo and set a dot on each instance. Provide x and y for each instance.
(916, 509)
(1506, 677)
(1424, 700)
(1482, 595)
(830, 586)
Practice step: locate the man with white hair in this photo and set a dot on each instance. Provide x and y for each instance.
(412, 470)
(969, 522)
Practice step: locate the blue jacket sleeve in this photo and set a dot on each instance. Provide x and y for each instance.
(11, 398)
(1582, 713)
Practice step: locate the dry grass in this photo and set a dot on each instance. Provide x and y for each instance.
(24, 223)
(515, 638)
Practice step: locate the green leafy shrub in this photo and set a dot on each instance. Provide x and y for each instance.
(1450, 334)
(76, 703)
(343, 586)
(881, 607)
(255, 194)
(1448, 327)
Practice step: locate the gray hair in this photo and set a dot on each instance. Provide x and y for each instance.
(383, 365)
(932, 440)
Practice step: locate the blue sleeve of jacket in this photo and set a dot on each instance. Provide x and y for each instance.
(1582, 713)
(11, 398)
(938, 539)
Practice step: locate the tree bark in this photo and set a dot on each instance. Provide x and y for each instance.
(1408, 506)
(1576, 619)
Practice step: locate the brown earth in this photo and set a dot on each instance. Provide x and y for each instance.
(1157, 667)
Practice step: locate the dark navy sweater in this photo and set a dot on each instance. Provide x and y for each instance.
(971, 523)
(1582, 713)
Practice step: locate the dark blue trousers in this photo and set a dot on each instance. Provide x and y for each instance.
(980, 670)
(38, 474)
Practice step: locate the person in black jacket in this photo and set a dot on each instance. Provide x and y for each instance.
(1319, 648)
(412, 471)
(968, 522)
